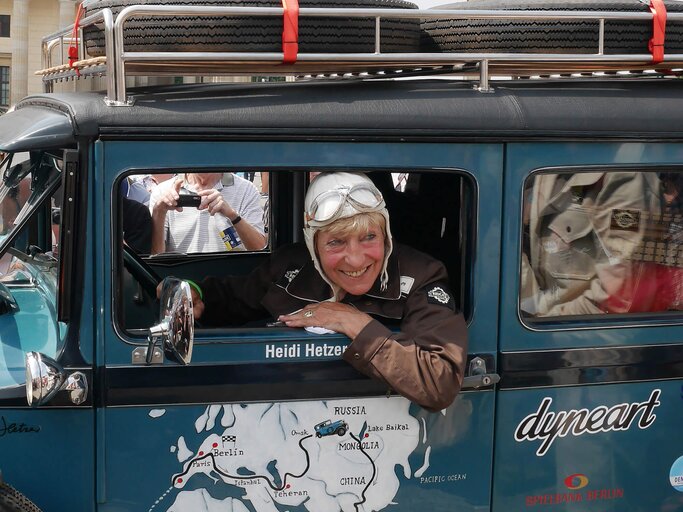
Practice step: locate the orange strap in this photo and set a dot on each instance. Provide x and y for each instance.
(656, 44)
(73, 45)
(290, 31)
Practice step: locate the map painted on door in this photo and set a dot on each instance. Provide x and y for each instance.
(318, 455)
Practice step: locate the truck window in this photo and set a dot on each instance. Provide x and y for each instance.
(601, 243)
(31, 258)
(430, 211)
(30, 207)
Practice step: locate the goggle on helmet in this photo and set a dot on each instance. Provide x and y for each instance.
(330, 205)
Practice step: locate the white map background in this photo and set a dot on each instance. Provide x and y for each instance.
(261, 449)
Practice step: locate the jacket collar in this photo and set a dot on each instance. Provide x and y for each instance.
(393, 291)
(307, 284)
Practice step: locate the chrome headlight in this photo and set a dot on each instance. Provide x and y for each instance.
(45, 378)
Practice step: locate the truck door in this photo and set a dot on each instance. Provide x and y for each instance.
(589, 408)
(269, 418)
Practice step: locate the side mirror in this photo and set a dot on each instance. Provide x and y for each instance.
(175, 332)
(45, 378)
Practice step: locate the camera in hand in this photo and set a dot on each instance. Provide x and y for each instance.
(191, 200)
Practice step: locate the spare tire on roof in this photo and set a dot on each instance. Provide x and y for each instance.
(12, 500)
(257, 33)
(526, 36)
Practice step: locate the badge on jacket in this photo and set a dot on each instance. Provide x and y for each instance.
(625, 220)
(406, 284)
(440, 295)
(288, 276)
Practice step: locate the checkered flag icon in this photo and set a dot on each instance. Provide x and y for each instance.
(229, 439)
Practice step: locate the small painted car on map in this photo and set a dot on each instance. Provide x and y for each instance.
(329, 428)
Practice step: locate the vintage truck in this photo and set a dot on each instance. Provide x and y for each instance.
(545, 178)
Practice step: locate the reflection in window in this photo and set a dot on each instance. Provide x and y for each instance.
(36, 250)
(13, 203)
(597, 243)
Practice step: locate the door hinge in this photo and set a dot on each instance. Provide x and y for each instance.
(140, 356)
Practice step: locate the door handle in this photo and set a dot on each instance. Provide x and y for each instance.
(479, 381)
(478, 376)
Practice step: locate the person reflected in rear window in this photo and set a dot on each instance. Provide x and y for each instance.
(584, 243)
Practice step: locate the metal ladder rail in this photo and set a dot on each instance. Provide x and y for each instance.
(58, 39)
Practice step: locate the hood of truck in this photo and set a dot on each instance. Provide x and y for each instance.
(33, 327)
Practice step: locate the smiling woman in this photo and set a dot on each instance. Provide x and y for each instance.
(348, 276)
(352, 252)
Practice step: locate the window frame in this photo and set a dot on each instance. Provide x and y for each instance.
(295, 186)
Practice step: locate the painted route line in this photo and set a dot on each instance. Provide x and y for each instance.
(274, 487)
(374, 471)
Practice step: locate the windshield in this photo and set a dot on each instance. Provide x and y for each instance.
(28, 179)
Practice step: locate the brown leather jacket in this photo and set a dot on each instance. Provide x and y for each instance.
(424, 361)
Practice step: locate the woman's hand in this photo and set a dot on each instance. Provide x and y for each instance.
(330, 315)
(197, 302)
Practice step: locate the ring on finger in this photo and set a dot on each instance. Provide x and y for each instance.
(308, 313)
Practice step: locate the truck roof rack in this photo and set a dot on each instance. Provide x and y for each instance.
(480, 67)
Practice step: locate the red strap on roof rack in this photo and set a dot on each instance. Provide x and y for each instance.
(290, 31)
(656, 44)
(73, 44)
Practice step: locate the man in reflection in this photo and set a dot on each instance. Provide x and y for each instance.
(581, 232)
(13, 203)
(229, 216)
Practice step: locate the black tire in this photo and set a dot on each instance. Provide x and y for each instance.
(524, 36)
(12, 500)
(341, 431)
(258, 34)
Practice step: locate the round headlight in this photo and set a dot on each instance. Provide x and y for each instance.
(44, 377)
